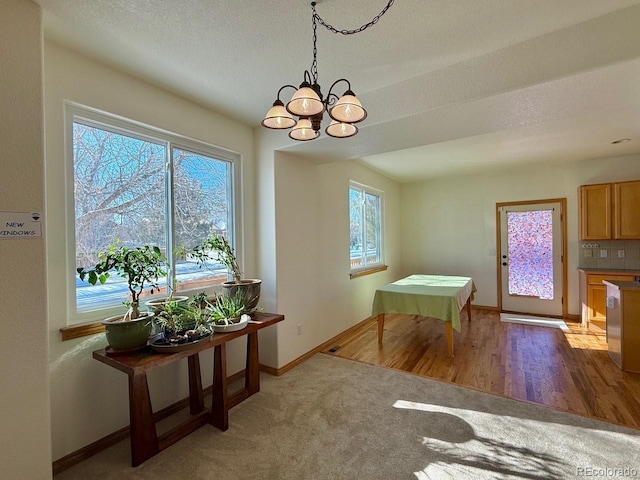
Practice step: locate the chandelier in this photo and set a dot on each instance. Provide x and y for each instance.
(308, 103)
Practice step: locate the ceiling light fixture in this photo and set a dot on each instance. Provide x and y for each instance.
(308, 104)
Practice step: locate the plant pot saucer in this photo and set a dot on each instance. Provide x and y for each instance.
(113, 353)
(159, 346)
(232, 327)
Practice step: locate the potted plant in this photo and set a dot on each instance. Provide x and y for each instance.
(158, 304)
(228, 313)
(140, 266)
(216, 247)
(199, 300)
(182, 324)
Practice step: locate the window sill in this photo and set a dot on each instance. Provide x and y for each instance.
(368, 271)
(83, 330)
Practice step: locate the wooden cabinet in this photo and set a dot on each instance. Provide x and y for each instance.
(595, 212)
(593, 294)
(610, 211)
(623, 324)
(597, 303)
(626, 210)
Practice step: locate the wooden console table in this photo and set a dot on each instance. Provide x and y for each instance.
(145, 441)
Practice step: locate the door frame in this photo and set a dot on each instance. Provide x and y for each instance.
(563, 222)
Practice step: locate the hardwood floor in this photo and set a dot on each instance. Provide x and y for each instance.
(569, 371)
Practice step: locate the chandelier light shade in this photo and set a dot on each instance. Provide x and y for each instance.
(341, 130)
(305, 102)
(308, 103)
(278, 118)
(348, 109)
(303, 131)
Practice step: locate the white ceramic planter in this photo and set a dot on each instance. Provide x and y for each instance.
(232, 327)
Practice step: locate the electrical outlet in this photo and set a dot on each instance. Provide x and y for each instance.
(299, 329)
(620, 253)
(588, 253)
(603, 253)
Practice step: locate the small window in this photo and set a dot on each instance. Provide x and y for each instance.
(142, 186)
(365, 213)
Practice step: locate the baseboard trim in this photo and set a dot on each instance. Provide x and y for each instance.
(484, 307)
(312, 352)
(332, 341)
(337, 338)
(110, 440)
(569, 317)
(96, 447)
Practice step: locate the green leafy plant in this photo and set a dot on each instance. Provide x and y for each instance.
(140, 266)
(176, 317)
(199, 300)
(182, 323)
(217, 247)
(227, 307)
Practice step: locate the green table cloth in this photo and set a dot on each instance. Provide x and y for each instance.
(439, 296)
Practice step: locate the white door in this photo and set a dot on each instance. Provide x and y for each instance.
(531, 270)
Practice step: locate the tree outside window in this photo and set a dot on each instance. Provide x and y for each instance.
(145, 190)
(365, 213)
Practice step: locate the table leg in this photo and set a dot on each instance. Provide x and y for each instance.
(144, 438)
(450, 338)
(220, 401)
(380, 329)
(196, 396)
(252, 372)
(469, 308)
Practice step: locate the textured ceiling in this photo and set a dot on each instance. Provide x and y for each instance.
(450, 85)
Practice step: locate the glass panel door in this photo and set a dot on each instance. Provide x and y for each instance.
(531, 258)
(530, 246)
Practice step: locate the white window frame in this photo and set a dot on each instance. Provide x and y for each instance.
(102, 120)
(380, 231)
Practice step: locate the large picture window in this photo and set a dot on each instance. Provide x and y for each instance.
(144, 187)
(365, 213)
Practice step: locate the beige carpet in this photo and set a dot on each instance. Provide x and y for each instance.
(331, 418)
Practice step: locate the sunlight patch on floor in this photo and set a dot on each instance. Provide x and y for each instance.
(581, 342)
(536, 321)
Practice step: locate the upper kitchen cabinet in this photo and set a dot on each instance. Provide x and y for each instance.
(626, 210)
(610, 211)
(595, 212)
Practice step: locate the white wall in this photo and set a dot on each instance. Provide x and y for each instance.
(88, 399)
(24, 380)
(266, 141)
(296, 239)
(312, 251)
(449, 224)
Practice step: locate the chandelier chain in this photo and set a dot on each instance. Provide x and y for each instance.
(315, 18)
(314, 64)
(308, 103)
(333, 29)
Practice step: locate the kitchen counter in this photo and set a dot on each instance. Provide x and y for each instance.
(623, 323)
(593, 291)
(623, 285)
(611, 271)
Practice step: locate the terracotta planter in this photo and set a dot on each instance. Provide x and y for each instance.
(250, 289)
